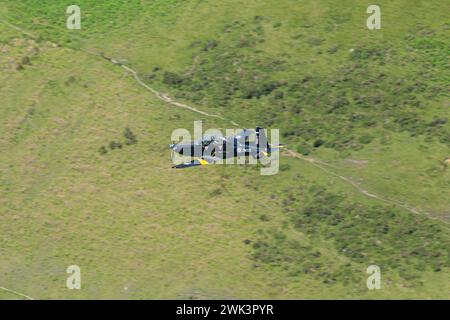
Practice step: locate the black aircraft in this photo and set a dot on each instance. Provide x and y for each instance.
(211, 149)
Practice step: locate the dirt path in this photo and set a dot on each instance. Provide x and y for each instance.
(158, 94)
(319, 164)
(16, 293)
(18, 29)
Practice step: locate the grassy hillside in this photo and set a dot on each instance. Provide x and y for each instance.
(311, 69)
(374, 105)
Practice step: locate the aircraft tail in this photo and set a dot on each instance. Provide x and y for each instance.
(264, 149)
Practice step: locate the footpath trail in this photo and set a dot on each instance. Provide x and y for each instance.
(16, 293)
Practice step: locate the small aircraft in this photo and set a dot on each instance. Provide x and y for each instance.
(211, 149)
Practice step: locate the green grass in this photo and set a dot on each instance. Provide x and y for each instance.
(141, 230)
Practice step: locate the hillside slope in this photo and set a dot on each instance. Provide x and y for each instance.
(140, 229)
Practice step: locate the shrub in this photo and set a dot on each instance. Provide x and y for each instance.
(333, 49)
(210, 44)
(26, 60)
(172, 79)
(70, 80)
(260, 90)
(318, 143)
(365, 139)
(279, 95)
(215, 192)
(130, 137)
(315, 41)
(115, 145)
(304, 149)
(277, 25)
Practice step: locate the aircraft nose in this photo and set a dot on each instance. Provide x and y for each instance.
(172, 146)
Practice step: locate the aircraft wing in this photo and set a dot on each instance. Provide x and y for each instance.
(196, 162)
